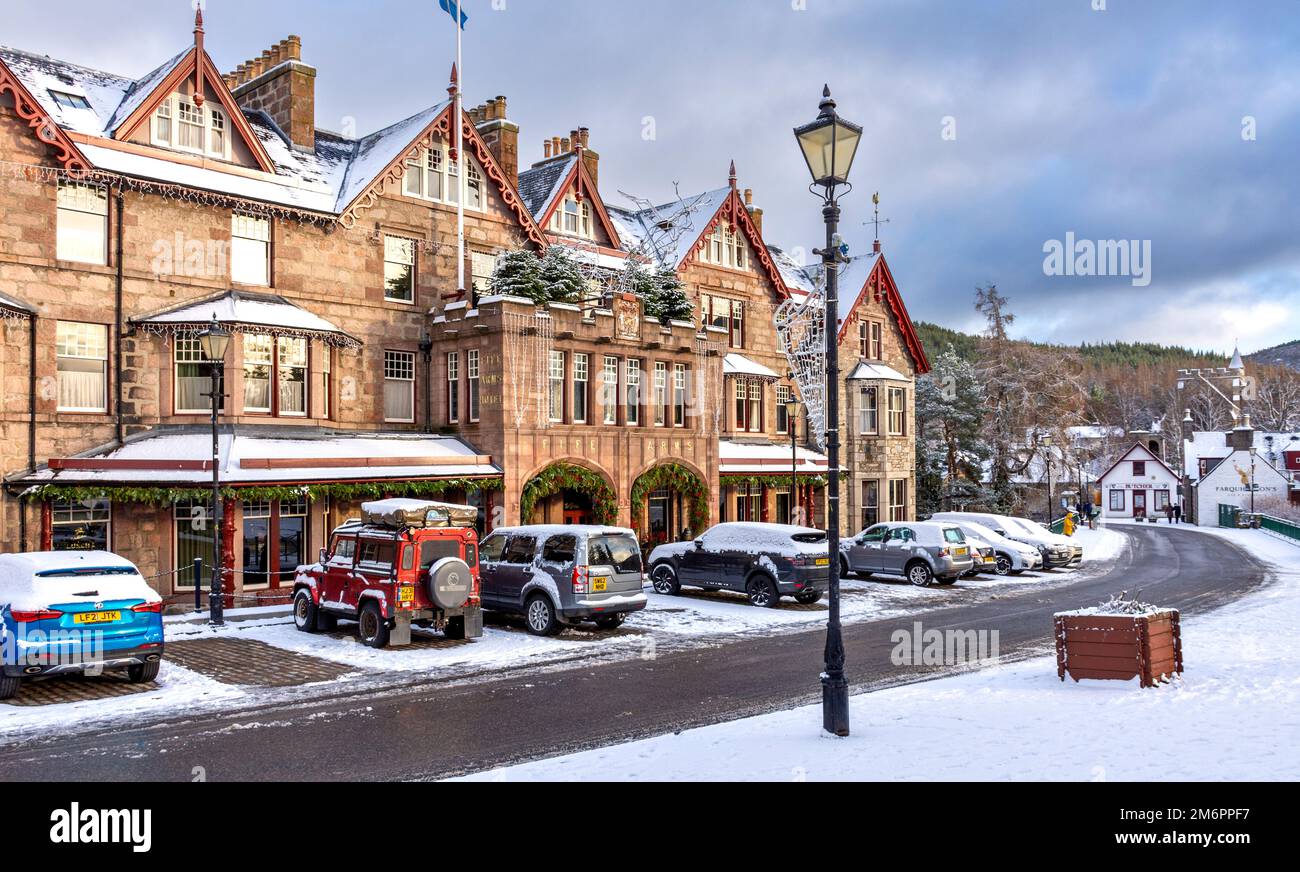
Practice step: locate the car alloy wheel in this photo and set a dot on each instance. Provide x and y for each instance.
(1004, 565)
(539, 615)
(761, 593)
(844, 566)
(664, 580)
(919, 574)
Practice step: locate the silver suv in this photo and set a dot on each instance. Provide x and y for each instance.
(920, 551)
(556, 575)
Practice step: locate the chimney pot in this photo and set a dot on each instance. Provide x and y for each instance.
(555, 146)
(546, 149)
(749, 196)
(566, 145)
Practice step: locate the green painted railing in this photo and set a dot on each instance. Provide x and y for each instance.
(1283, 528)
(1228, 515)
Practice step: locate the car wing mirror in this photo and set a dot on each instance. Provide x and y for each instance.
(699, 544)
(322, 556)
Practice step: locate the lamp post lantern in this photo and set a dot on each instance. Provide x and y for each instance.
(213, 342)
(829, 144)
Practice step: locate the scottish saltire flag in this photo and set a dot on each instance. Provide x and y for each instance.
(452, 8)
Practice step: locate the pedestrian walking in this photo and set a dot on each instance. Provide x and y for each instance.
(1178, 513)
(1169, 512)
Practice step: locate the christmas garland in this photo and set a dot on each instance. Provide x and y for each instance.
(568, 476)
(343, 491)
(770, 480)
(675, 477)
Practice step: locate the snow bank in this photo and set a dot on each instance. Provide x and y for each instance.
(1231, 717)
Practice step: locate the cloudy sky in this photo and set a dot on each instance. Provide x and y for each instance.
(992, 127)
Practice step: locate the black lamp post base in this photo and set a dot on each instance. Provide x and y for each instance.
(835, 705)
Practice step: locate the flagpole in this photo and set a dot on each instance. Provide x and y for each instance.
(462, 165)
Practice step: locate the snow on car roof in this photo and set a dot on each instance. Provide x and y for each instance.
(37, 562)
(553, 529)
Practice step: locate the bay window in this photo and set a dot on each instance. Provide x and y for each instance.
(259, 360)
(870, 503)
(82, 223)
(898, 499)
(399, 386)
(291, 364)
(868, 413)
(897, 420)
(193, 381)
(81, 352)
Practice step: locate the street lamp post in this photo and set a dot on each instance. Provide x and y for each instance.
(791, 411)
(829, 145)
(213, 342)
(1252, 483)
(1046, 442)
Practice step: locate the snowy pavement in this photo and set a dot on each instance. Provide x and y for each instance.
(1234, 714)
(693, 619)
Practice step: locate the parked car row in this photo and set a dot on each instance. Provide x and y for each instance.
(1055, 550)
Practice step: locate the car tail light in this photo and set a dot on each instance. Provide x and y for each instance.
(943, 552)
(581, 579)
(38, 615)
(155, 608)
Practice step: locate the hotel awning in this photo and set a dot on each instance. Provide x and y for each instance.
(244, 312)
(767, 458)
(183, 458)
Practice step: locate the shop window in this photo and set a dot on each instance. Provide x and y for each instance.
(81, 525)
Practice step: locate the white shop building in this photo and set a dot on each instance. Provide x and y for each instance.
(1231, 481)
(1138, 485)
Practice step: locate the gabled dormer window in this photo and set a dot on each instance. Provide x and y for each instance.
(725, 247)
(432, 175)
(572, 218)
(179, 123)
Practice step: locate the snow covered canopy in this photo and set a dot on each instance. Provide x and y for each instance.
(243, 312)
(12, 307)
(183, 458)
(745, 458)
(739, 365)
(876, 372)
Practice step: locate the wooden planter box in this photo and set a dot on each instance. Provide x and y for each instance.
(1148, 646)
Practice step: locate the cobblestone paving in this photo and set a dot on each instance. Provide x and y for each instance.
(248, 661)
(76, 688)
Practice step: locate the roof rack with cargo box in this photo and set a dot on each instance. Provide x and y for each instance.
(418, 513)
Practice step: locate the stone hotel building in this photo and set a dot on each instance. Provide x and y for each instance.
(137, 210)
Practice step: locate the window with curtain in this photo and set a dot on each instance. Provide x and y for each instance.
(633, 398)
(581, 375)
(453, 387)
(868, 413)
(193, 377)
(292, 375)
(782, 415)
(870, 503)
(609, 390)
(326, 380)
(193, 522)
(660, 398)
(472, 377)
(250, 250)
(897, 414)
(399, 386)
(555, 392)
(399, 269)
(755, 406)
(81, 352)
(259, 360)
(82, 223)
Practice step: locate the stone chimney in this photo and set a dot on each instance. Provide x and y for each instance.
(281, 85)
(500, 134)
(1242, 436)
(578, 140)
(755, 213)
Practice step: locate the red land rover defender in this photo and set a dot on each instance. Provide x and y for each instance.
(404, 562)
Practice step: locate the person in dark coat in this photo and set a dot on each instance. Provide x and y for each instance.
(1169, 512)
(1178, 513)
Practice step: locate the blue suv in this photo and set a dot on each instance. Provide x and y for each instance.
(76, 611)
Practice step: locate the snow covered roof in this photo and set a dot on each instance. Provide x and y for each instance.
(738, 364)
(1273, 447)
(798, 277)
(326, 180)
(258, 456)
(767, 458)
(244, 312)
(540, 185)
(876, 372)
(14, 306)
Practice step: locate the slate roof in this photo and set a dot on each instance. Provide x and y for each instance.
(541, 184)
(325, 180)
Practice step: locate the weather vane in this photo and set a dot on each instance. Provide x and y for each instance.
(877, 221)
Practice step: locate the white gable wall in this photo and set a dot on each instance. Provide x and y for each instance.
(1229, 483)
(1126, 494)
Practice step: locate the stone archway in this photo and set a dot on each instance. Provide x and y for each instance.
(564, 476)
(674, 478)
